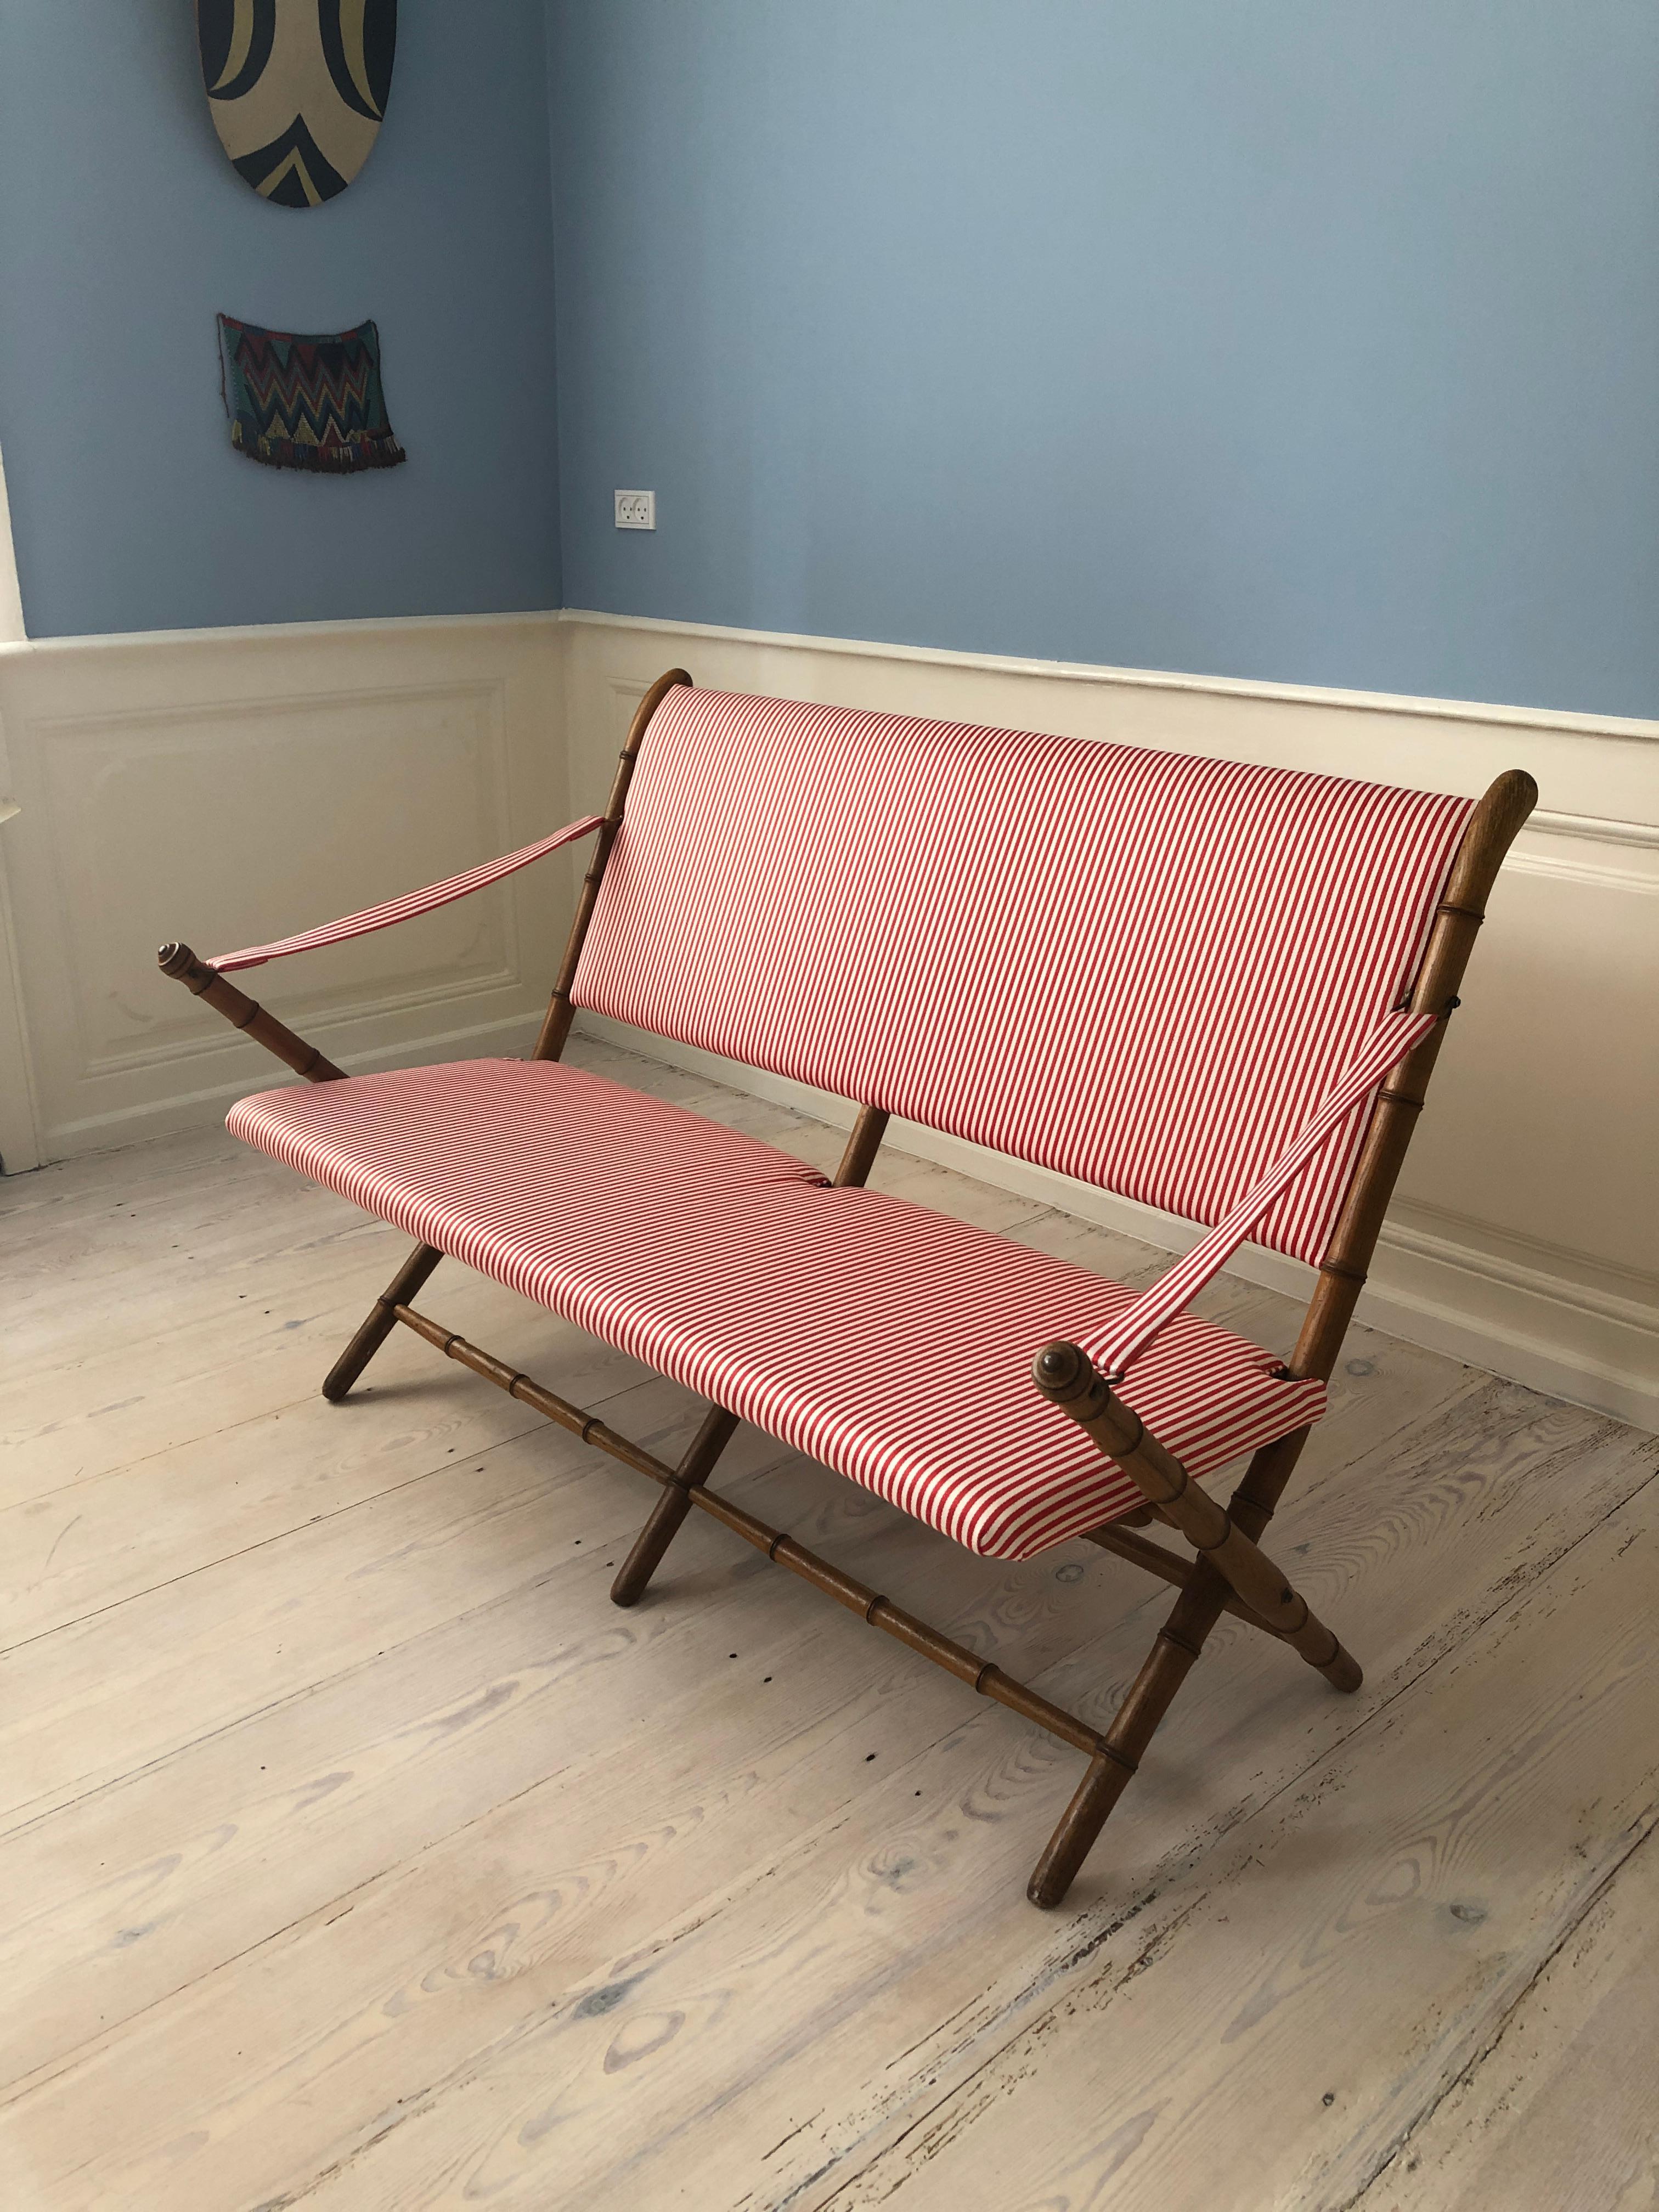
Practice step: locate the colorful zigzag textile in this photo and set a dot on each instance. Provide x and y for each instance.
(298, 402)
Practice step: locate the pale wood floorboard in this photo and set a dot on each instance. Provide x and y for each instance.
(355, 1852)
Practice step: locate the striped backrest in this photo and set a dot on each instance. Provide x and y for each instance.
(1138, 968)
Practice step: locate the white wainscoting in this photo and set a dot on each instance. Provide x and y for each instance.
(1525, 1238)
(227, 786)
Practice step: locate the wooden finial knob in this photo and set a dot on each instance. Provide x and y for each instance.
(1061, 1371)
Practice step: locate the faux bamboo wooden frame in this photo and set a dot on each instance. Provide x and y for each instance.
(1228, 1573)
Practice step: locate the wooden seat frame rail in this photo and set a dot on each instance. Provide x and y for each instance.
(1228, 1574)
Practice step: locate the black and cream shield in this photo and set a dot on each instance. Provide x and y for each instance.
(297, 89)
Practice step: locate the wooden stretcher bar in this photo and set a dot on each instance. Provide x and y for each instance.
(879, 1612)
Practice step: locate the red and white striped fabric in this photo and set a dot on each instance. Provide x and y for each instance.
(893, 1343)
(1134, 1330)
(404, 908)
(1143, 970)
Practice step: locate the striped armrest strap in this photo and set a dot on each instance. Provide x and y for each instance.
(411, 902)
(1136, 1326)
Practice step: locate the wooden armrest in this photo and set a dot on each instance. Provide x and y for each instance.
(247, 1015)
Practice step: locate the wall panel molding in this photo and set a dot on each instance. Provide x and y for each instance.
(186, 765)
(1553, 844)
(228, 785)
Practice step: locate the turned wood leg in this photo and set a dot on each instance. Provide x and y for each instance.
(1179, 1641)
(1162, 1671)
(673, 1504)
(382, 1320)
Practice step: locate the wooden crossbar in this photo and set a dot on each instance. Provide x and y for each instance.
(879, 1612)
(1170, 1567)
(1067, 1378)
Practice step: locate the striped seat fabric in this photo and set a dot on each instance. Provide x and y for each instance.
(892, 1342)
(1143, 970)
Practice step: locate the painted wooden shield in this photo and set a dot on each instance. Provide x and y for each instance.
(297, 89)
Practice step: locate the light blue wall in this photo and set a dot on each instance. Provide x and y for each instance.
(123, 229)
(1304, 340)
(1310, 340)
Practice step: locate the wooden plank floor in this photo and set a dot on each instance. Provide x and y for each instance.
(357, 1853)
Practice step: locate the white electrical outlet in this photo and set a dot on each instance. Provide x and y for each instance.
(637, 510)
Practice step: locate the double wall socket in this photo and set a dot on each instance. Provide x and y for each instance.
(637, 510)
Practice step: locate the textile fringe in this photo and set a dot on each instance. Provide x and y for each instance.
(339, 461)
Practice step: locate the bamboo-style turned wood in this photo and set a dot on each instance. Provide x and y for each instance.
(717, 1428)
(1168, 1566)
(1069, 1379)
(1491, 832)
(990, 1681)
(556, 1028)
(382, 1319)
(517, 1384)
(1176, 1649)
(667, 1515)
(246, 1014)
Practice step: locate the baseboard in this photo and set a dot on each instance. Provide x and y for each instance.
(1552, 1319)
(1545, 1321)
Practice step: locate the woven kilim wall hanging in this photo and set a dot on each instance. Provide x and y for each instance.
(299, 402)
(297, 89)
